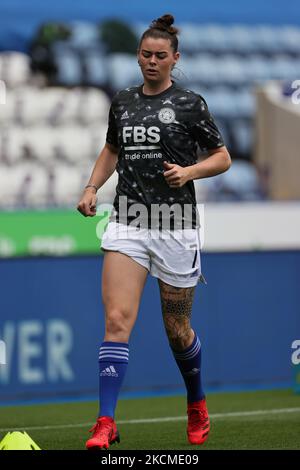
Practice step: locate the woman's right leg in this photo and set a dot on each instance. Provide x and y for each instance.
(123, 280)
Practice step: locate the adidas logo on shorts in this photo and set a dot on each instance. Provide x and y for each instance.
(109, 371)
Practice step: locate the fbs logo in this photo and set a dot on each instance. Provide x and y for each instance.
(141, 134)
(2, 353)
(110, 372)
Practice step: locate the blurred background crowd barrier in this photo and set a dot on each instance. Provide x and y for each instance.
(60, 65)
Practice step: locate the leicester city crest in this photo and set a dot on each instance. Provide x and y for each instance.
(166, 115)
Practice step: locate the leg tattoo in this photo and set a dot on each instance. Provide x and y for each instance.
(176, 305)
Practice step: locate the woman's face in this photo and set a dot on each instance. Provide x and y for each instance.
(156, 58)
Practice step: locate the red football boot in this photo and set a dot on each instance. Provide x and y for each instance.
(104, 432)
(198, 422)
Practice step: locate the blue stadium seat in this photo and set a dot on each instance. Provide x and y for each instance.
(191, 39)
(67, 60)
(289, 39)
(245, 102)
(257, 68)
(267, 39)
(84, 35)
(284, 68)
(240, 39)
(243, 136)
(242, 181)
(222, 102)
(95, 67)
(123, 71)
(231, 70)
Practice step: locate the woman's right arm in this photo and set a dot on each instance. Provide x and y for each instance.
(103, 169)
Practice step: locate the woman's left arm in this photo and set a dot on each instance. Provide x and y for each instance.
(217, 162)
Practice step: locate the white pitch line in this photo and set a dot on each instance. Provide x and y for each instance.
(235, 414)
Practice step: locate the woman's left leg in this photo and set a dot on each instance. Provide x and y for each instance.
(176, 305)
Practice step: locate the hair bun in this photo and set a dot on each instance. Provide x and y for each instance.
(168, 20)
(165, 23)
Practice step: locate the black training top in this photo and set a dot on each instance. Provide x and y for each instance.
(151, 129)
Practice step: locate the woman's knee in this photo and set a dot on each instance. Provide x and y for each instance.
(118, 324)
(180, 334)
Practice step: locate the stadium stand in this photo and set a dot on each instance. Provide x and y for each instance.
(49, 138)
(64, 123)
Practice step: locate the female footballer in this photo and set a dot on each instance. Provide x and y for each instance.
(154, 133)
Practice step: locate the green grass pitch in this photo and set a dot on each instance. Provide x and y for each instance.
(248, 420)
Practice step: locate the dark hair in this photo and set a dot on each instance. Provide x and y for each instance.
(162, 28)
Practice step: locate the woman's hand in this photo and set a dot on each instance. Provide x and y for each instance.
(87, 204)
(175, 175)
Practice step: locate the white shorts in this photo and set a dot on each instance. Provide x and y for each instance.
(172, 256)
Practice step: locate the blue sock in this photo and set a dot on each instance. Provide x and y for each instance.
(113, 360)
(189, 363)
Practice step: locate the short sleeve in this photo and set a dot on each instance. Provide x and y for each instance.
(112, 132)
(203, 127)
